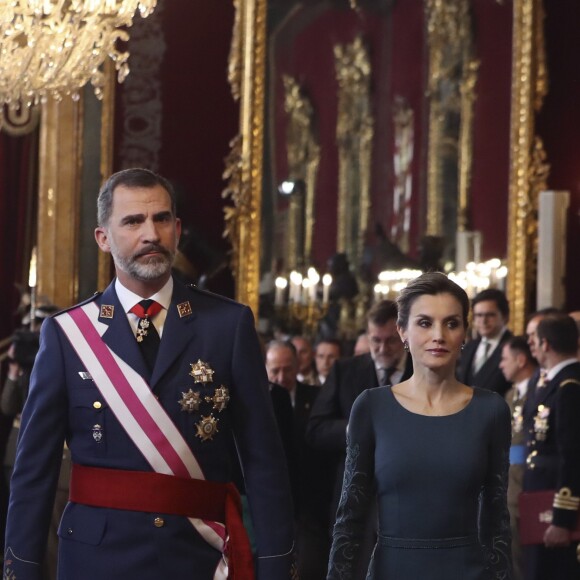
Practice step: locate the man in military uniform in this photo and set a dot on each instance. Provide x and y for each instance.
(154, 385)
(553, 440)
(517, 366)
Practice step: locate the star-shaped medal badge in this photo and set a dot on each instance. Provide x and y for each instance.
(201, 372)
(220, 399)
(190, 401)
(207, 427)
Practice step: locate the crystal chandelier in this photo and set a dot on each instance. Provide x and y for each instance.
(55, 47)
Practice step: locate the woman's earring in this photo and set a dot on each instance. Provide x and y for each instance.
(462, 346)
(406, 346)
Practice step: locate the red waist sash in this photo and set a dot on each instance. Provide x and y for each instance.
(147, 491)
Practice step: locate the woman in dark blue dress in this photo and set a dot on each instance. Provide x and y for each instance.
(434, 454)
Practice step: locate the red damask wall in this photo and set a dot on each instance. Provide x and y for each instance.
(396, 42)
(198, 119)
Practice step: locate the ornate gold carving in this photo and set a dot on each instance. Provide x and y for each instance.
(451, 92)
(244, 163)
(354, 134)
(528, 167)
(303, 159)
(403, 157)
(236, 55)
(467, 90)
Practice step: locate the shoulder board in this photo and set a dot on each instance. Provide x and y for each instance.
(569, 382)
(209, 294)
(87, 301)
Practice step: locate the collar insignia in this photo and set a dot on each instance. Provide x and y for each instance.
(107, 311)
(184, 309)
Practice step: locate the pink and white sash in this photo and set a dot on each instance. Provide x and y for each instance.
(144, 419)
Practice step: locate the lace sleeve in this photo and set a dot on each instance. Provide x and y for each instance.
(358, 491)
(495, 522)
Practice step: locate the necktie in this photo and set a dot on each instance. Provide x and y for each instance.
(147, 335)
(385, 375)
(542, 379)
(486, 345)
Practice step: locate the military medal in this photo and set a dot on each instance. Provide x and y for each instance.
(517, 419)
(201, 372)
(220, 399)
(206, 428)
(541, 422)
(97, 433)
(142, 328)
(190, 401)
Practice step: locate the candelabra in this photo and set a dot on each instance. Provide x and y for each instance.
(302, 301)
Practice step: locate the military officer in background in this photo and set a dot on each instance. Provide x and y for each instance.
(518, 367)
(153, 385)
(553, 440)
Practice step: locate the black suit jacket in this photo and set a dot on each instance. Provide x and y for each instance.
(346, 381)
(489, 375)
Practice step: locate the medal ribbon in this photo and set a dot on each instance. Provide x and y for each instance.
(145, 421)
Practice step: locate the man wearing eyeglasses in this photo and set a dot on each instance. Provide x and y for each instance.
(387, 363)
(479, 363)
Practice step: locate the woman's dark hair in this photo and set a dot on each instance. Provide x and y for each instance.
(431, 284)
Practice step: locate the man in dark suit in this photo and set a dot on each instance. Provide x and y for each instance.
(311, 473)
(152, 384)
(553, 444)
(386, 363)
(479, 362)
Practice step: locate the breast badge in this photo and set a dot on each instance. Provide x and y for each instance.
(190, 401)
(97, 433)
(220, 399)
(184, 309)
(201, 372)
(517, 419)
(207, 428)
(541, 423)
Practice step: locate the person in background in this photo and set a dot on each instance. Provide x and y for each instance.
(152, 384)
(479, 362)
(306, 369)
(361, 346)
(327, 352)
(553, 445)
(442, 515)
(518, 366)
(310, 475)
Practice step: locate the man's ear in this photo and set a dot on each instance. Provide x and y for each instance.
(102, 238)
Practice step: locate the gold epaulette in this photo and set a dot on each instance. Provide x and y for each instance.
(569, 382)
(564, 500)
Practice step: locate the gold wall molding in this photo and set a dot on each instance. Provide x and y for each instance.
(451, 91)
(303, 154)
(528, 166)
(244, 163)
(61, 132)
(354, 135)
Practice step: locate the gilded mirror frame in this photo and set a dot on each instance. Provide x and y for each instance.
(527, 168)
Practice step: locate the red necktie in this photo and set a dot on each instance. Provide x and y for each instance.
(147, 335)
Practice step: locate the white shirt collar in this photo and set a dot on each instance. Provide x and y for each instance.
(128, 299)
(557, 368)
(522, 388)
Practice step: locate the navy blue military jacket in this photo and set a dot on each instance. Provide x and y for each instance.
(553, 443)
(65, 405)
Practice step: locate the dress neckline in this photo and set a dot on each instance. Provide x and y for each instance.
(399, 404)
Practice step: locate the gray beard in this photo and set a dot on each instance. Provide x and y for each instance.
(156, 267)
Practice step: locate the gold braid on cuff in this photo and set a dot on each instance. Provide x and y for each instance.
(565, 500)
